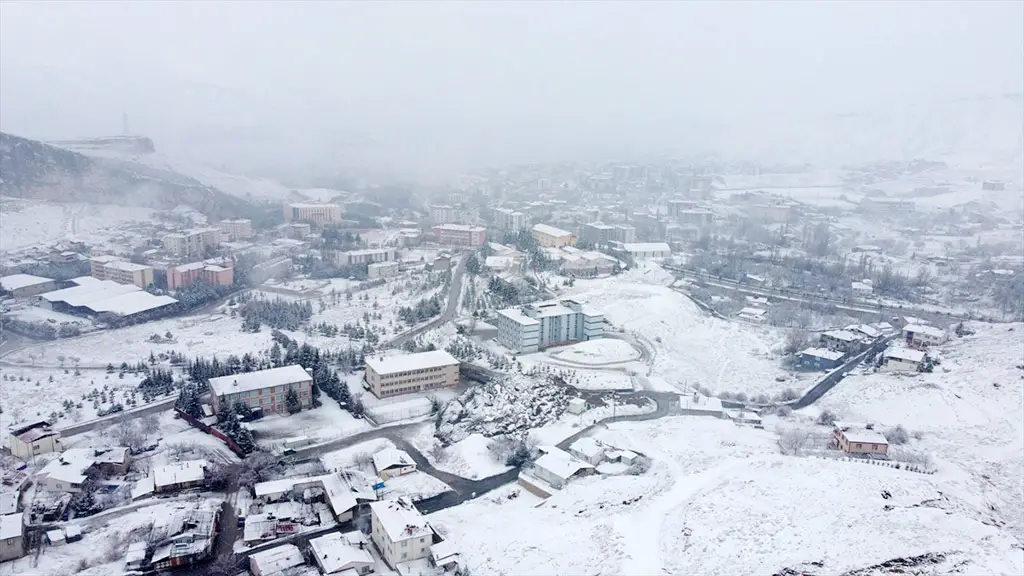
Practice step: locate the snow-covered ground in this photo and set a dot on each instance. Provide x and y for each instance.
(25, 223)
(968, 412)
(691, 348)
(469, 457)
(321, 424)
(719, 499)
(596, 352)
(416, 485)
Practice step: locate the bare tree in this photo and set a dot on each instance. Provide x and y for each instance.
(794, 441)
(826, 418)
(130, 434)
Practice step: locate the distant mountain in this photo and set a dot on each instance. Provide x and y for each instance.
(33, 169)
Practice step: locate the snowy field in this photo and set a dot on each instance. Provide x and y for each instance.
(417, 485)
(721, 502)
(968, 412)
(25, 223)
(469, 458)
(321, 424)
(596, 352)
(690, 347)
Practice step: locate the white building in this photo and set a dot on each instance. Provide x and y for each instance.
(509, 220)
(399, 531)
(920, 335)
(391, 462)
(902, 360)
(647, 250)
(539, 325)
(12, 536)
(338, 553)
(381, 270)
(275, 560)
(34, 439)
(557, 467)
(588, 450)
(408, 373)
(443, 214)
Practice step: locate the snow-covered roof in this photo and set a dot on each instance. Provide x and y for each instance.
(11, 525)
(85, 294)
(136, 552)
(498, 262)
(646, 247)
(550, 230)
(339, 496)
(129, 303)
(516, 315)
(460, 228)
(400, 519)
(179, 473)
(69, 466)
(444, 552)
(754, 312)
(920, 329)
(865, 329)
(391, 458)
(842, 335)
(16, 281)
(409, 362)
(905, 354)
(335, 553)
(822, 353)
(260, 379)
(864, 436)
(9, 502)
(587, 446)
(277, 559)
(560, 463)
(127, 266)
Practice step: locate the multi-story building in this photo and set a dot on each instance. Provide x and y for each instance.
(239, 229)
(264, 389)
(597, 233)
(540, 325)
(645, 250)
(460, 235)
(393, 375)
(443, 214)
(192, 243)
(550, 236)
(181, 276)
(12, 536)
(678, 206)
(623, 233)
(314, 213)
(696, 216)
(34, 439)
(365, 256)
(508, 220)
(399, 531)
(117, 270)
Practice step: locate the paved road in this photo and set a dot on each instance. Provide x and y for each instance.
(454, 292)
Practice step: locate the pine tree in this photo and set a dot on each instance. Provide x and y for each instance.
(292, 402)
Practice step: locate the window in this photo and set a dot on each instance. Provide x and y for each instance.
(404, 555)
(422, 539)
(856, 445)
(405, 543)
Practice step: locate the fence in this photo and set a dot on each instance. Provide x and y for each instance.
(211, 431)
(385, 413)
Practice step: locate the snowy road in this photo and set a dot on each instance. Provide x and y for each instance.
(454, 293)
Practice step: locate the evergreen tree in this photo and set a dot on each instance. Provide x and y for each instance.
(291, 400)
(243, 410)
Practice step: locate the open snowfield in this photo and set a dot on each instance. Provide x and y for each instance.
(719, 499)
(690, 347)
(969, 411)
(469, 457)
(25, 223)
(596, 352)
(321, 424)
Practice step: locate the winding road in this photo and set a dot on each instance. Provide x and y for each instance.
(452, 306)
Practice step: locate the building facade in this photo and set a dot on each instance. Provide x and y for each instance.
(264, 389)
(550, 236)
(239, 229)
(192, 243)
(399, 531)
(395, 375)
(116, 270)
(857, 439)
(647, 250)
(443, 214)
(34, 439)
(365, 256)
(536, 326)
(321, 214)
(460, 235)
(508, 220)
(597, 233)
(12, 536)
(25, 285)
(180, 276)
(623, 233)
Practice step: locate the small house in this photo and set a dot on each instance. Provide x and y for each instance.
(902, 360)
(841, 340)
(337, 553)
(588, 450)
(577, 406)
(34, 439)
(55, 537)
(819, 359)
(921, 335)
(557, 467)
(859, 439)
(745, 418)
(135, 557)
(12, 536)
(275, 560)
(445, 555)
(391, 462)
(752, 314)
(179, 476)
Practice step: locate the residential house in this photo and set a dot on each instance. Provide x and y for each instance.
(185, 537)
(399, 531)
(275, 560)
(264, 389)
(336, 494)
(819, 359)
(556, 467)
(179, 476)
(404, 374)
(391, 462)
(34, 439)
(902, 360)
(858, 439)
(135, 556)
(921, 335)
(12, 536)
(445, 555)
(751, 314)
(588, 450)
(67, 472)
(342, 553)
(841, 341)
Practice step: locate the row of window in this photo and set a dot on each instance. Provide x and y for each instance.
(412, 372)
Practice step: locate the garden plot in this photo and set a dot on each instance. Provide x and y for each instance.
(321, 424)
(968, 413)
(690, 347)
(596, 352)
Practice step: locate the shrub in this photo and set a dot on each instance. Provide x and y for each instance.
(897, 435)
(826, 418)
(788, 394)
(793, 441)
(639, 466)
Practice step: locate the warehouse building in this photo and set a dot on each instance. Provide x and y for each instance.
(91, 297)
(393, 375)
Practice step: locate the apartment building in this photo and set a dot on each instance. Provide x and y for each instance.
(550, 236)
(597, 233)
(399, 531)
(117, 270)
(539, 325)
(460, 235)
(239, 229)
(508, 220)
(192, 243)
(264, 389)
(443, 214)
(623, 233)
(645, 250)
(365, 256)
(214, 274)
(394, 375)
(314, 213)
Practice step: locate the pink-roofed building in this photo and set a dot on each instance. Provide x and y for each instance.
(181, 276)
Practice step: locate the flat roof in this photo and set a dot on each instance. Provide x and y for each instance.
(278, 558)
(179, 472)
(128, 266)
(409, 362)
(647, 247)
(587, 446)
(550, 230)
(400, 519)
(929, 330)
(131, 303)
(460, 228)
(516, 315)
(84, 294)
(905, 354)
(823, 353)
(16, 281)
(257, 380)
(334, 552)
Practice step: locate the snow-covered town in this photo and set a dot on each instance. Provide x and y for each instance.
(710, 363)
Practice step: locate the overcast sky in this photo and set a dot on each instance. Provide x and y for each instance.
(503, 77)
